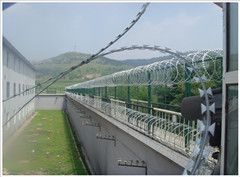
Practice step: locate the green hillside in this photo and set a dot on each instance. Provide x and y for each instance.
(53, 66)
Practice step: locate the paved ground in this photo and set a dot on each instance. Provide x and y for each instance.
(44, 147)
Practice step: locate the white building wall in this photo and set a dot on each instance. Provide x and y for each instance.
(16, 70)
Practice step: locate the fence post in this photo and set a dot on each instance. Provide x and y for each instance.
(115, 92)
(128, 97)
(137, 96)
(84, 91)
(188, 86)
(128, 94)
(187, 94)
(115, 98)
(99, 94)
(106, 92)
(149, 97)
(94, 91)
(149, 94)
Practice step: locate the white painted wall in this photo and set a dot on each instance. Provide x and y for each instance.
(131, 145)
(16, 70)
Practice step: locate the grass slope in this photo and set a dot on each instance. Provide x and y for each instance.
(100, 67)
(97, 68)
(44, 147)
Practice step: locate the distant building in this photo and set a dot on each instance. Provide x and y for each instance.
(18, 75)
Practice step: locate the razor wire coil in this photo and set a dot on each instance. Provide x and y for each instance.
(189, 61)
(166, 72)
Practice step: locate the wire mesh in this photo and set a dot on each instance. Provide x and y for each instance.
(167, 72)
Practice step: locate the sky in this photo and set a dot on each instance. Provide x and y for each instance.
(43, 30)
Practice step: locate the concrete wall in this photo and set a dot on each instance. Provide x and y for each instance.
(50, 102)
(130, 145)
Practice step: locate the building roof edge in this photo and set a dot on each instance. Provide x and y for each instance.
(9, 45)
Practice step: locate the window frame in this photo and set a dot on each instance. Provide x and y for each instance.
(228, 43)
(14, 89)
(229, 78)
(23, 90)
(19, 89)
(7, 58)
(8, 89)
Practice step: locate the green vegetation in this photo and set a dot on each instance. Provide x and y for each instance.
(53, 66)
(44, 147)
(171, 95)
(100, 67)
(166, 96)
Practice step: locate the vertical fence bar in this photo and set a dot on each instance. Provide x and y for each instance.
(99, 94)
(115, 98)
(128, 97)
(187, 93)
(188, 86)
(137, 96)
(149, 94)
(84, 91)
(149, 99)
(106, 92)
(115, 92)
(94, 91)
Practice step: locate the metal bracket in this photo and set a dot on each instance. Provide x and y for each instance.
(91, 123)
(82, 114)
(131, 163)
(107, 137)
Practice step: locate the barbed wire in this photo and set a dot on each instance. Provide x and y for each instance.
(92, 57)
(190, 66)
(163, 130)
(206, 109)
(169, 71)
(73, 108)
(182, 59)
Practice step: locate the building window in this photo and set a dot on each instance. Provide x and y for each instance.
(19, 88)
(231, 143)
(4, 56)
(230, 88)
(19, 66)
(8, 89)
(23, 89)
(11, 60)
(7, 58)
(14, 89)
(232, 36)
(14, 63)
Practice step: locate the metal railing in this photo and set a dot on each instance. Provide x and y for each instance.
(167, 127)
